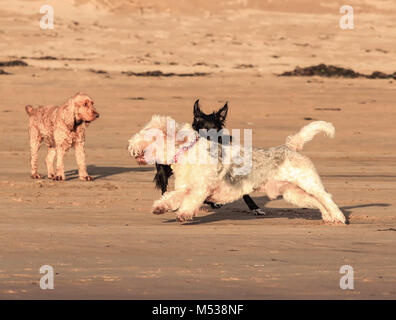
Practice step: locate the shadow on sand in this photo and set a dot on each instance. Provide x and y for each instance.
(103, 172)
(231, 212)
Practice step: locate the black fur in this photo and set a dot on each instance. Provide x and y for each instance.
(164, 172)
(215, 120)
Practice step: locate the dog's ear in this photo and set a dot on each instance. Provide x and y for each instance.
(222, 113)
(197, 110)
(68, 113)
(29, 110)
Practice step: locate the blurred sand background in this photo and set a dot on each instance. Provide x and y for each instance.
(101, 238)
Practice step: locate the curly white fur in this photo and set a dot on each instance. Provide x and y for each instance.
(276, 171)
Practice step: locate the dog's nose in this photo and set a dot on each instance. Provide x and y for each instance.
(97, 115)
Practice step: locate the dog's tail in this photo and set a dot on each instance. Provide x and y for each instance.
(29, 110)
(296, 142)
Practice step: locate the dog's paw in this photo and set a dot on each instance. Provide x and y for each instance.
(333, 220)
(51, 176)
(86, 178)
(215, 205)
(259, 212)
(58, 178)
(159, 208)
(36, 176)
(340, 220)
(335, 223)
(183, 217)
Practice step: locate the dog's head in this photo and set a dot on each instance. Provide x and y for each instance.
(214, 120)
(159, 140)
(139, 142)
(83, 107)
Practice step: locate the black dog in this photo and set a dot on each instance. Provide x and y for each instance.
(215, 120)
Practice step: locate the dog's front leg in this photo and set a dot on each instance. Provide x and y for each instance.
(60, 169)
(169, 201)
(80, 159)
(50, 162)
(162, 176)
(35, 142)
(191, 204)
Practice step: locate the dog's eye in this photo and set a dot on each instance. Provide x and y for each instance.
(86, 104)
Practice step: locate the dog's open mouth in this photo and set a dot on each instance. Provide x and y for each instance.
(140, 158)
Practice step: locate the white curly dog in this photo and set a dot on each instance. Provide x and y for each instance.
(277, 171)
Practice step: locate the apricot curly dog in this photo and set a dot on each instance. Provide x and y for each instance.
(61, 127)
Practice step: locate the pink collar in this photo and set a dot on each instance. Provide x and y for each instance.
(184, 149)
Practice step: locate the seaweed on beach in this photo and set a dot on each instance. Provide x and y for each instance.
(136, 98)
(13, 63)
(158, 73)
(52, 58)
(381, 75)
(330, 71)
(98, 71)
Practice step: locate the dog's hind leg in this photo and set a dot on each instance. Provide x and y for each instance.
(312, 184)
(170, 201)
(314, 188)
(301, 173)
(302, 199)
(335, 213)
(252, 205)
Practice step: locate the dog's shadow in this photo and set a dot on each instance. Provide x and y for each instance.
(102, 172)
(235, 212)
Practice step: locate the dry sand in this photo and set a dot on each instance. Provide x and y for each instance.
(100, 237)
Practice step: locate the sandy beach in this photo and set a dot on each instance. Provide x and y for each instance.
(100, 237)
